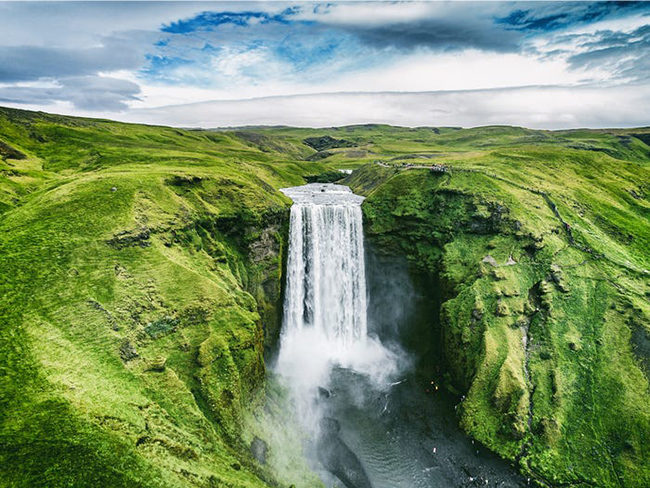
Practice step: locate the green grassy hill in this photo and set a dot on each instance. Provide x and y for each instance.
(141, 269)
(543, 255)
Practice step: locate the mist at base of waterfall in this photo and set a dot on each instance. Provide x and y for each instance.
(308, 358)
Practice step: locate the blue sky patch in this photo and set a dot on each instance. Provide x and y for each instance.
(207, 21)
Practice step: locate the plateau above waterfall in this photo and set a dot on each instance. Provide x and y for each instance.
(323, 194)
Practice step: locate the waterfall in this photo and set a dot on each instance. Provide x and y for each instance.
(325, 309)
(363, 417)
(324, 342)
(326, 282)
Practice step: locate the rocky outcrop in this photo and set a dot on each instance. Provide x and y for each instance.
(327, 142)
(338, 458)
(8, 152)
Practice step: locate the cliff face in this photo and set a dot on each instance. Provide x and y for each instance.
(544, 297)
(137, 295)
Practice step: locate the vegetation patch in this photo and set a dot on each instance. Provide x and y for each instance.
(161, 327)
(327, 142)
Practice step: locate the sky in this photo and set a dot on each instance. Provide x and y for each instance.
(542, 65)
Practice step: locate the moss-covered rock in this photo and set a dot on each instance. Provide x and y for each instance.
(532, 333)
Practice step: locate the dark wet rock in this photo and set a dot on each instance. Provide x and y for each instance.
(470, 471)
(267, 246)
(259, 450)
(323, 392)
(338, 458)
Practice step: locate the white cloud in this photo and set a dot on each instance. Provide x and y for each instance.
(624, 24)
(535, 107)
(95, 54)
(467, 70)
(71, 24)
(371, 13)
(422, 71)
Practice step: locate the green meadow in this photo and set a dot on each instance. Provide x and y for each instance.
(141, 273)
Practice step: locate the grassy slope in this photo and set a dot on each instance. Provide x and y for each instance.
(80, 291)
(539, 316)
(119, 239)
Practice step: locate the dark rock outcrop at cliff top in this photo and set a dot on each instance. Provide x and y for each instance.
(327, 142)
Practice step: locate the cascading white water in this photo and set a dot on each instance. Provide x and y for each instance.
(325, 316)
(326, 282)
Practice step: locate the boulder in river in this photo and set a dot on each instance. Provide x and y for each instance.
(338, 458)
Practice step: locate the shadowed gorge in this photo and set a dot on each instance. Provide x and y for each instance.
(145, 273)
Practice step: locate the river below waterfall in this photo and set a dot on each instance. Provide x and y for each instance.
(372, 412)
